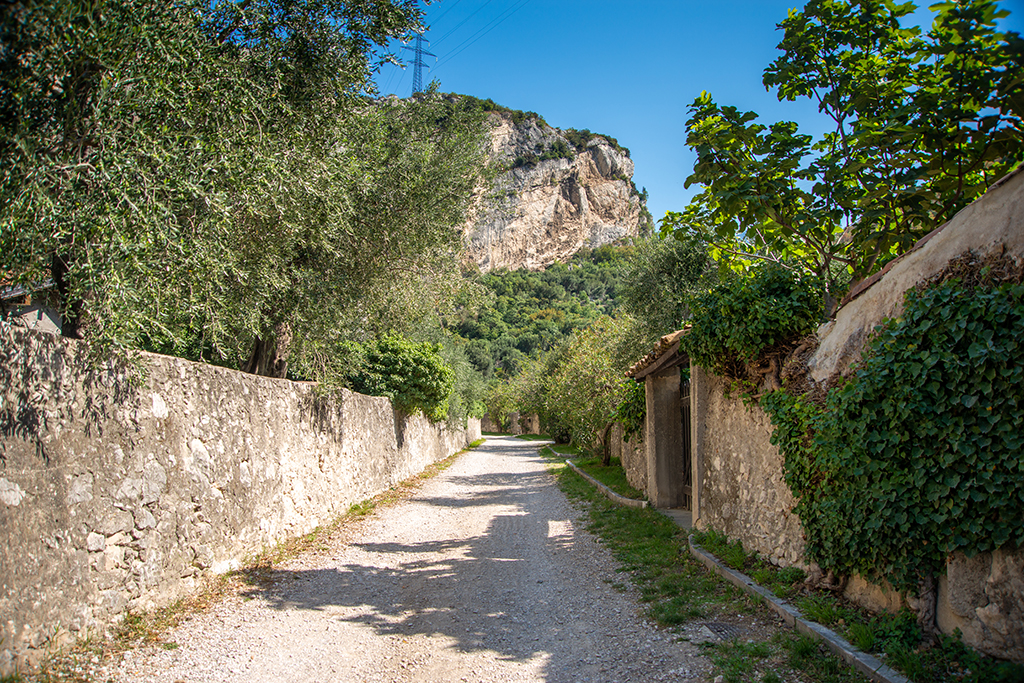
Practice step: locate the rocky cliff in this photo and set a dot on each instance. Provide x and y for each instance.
(556, 192)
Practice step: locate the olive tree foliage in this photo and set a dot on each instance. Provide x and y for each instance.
(210, 176)
(662, 276)
(576, 387)
(921, 124)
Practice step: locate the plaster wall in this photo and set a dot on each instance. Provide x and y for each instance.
(117, 496)
(993, 223)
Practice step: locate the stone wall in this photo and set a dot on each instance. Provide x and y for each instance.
(530, 424)
(633, 455)
(487, 424)
(983, 596)
(117, 495)
(742, 494)
(741, 491)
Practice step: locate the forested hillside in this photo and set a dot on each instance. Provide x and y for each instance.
(528, 312)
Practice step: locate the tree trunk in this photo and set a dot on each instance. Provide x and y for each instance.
(926, 608)
(269, 357)
(606, 456)
(70, 310)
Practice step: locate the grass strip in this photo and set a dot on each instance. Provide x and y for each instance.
(896, 638)
(784, 582)
(556, 450)
(677, 589)
(612, 476)
(653, 550)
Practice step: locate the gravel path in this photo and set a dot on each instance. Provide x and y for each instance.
(485, 574)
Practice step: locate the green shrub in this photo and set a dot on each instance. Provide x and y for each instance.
(896, 630)
(738, 320)
(413, 375)
(559, 149)
(917, 455)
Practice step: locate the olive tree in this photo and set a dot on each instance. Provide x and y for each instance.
(211, 176)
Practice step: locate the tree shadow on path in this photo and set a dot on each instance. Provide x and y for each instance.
(515, 589)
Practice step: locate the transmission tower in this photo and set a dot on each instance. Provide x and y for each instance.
(417, 65)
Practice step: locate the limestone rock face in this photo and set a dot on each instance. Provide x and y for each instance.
(541, 210)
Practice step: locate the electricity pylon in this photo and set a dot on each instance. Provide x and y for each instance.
(417, 65)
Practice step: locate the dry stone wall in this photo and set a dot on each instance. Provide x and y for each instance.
(117, 495)
(633, 455)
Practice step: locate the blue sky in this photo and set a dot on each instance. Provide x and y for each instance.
(626, 69)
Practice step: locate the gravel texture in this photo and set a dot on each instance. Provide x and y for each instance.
(485, 574)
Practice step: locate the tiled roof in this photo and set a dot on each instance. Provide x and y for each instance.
(666, 345)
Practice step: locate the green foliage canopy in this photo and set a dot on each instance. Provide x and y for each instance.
(529, 312)
(742, 317)
(413, 375)
(209, 176)
(661, 277)
(576, 387)
(922, 125)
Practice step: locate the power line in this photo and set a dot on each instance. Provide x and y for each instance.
(461, 23)
(391, 76)
(480, 34)
(450, 8)
(401, 80)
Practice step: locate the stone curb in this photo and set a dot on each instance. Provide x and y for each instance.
(866, 664)
(621, 500)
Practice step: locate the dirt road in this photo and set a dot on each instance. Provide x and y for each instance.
(485, 574)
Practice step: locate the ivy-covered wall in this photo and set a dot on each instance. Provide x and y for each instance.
(981, 582)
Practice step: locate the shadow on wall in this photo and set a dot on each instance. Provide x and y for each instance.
(117, 495)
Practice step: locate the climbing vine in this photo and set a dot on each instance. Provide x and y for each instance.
(631, 413)
(917, 455)
(736, 322)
